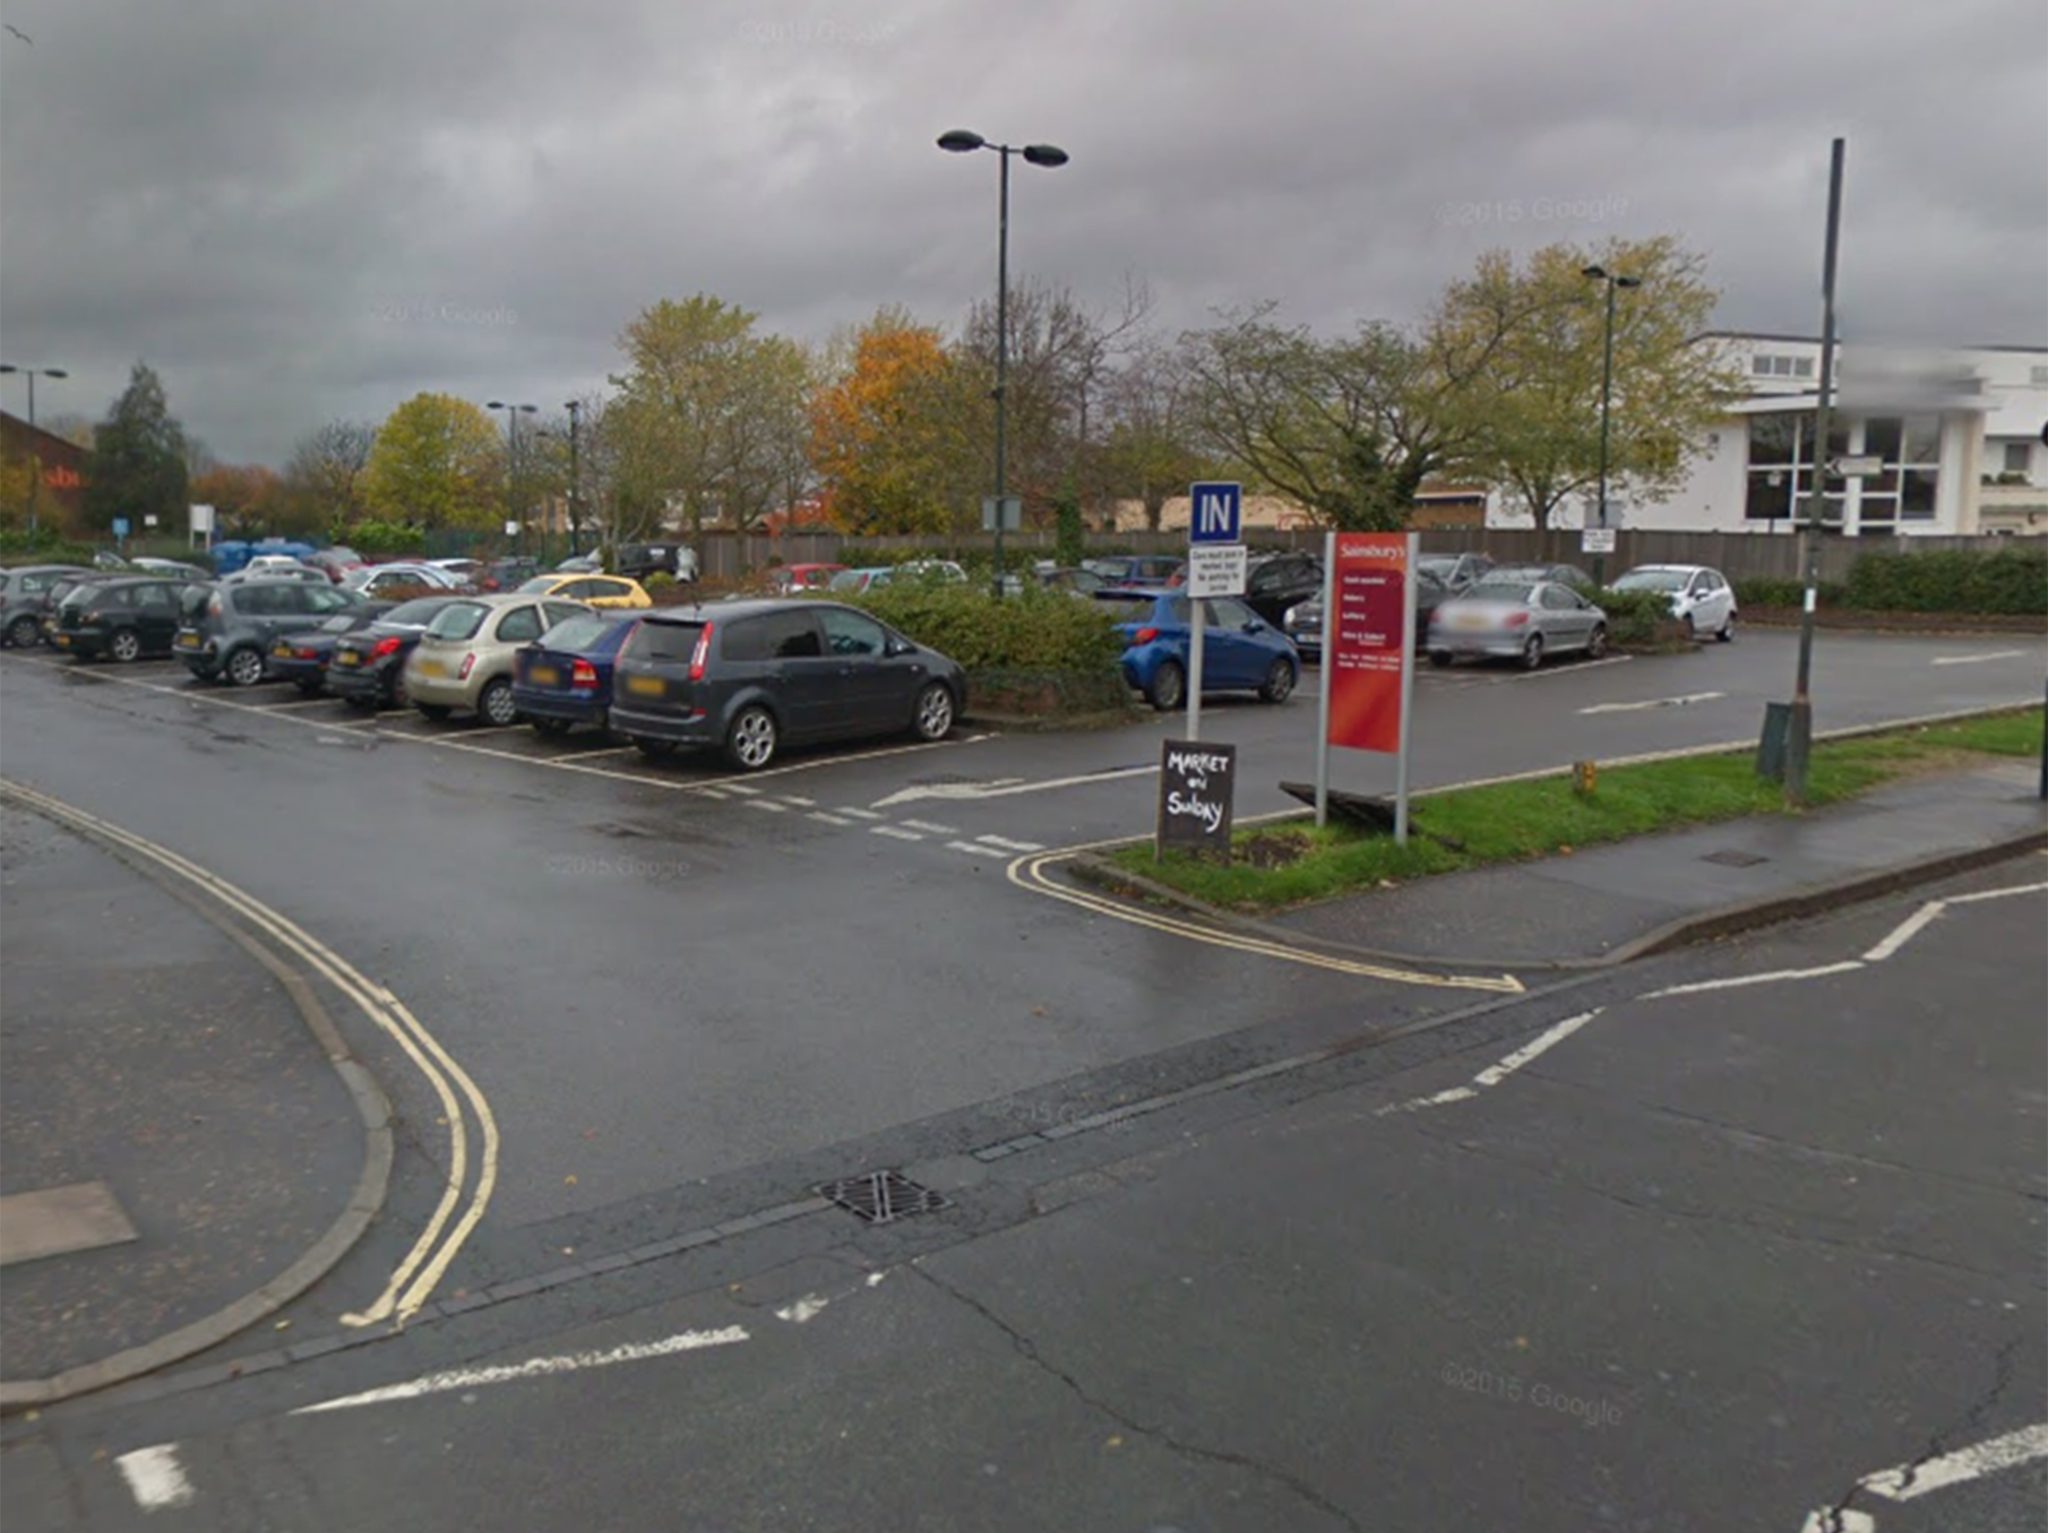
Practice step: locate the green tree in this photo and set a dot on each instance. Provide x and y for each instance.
(137, 468)
(1528, 342)
(437, 462)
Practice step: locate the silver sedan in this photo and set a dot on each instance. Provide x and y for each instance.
(1520, 620)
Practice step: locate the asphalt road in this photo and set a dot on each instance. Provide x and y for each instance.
(1750, 1233)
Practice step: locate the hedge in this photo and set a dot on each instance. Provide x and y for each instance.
(2005, 582)
(1638, 619)
(1029, 631)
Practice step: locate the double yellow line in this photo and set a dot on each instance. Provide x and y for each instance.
(1028, 872)
(429, 1258)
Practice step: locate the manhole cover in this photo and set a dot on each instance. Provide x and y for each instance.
(882, 1196)
(1732, 859)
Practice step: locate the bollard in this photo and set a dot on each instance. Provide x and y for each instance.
(1585, 775)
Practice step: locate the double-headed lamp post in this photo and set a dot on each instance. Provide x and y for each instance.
(961, 141)
(1613, 280)
(36, 479)
(512, 413)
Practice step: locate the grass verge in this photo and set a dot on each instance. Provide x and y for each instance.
(1293, 862)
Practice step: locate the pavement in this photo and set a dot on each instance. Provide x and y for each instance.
(179, 1155)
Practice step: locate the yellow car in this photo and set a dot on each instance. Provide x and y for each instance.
(591, 590)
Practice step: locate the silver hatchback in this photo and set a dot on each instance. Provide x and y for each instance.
(465, 658)
(1524, 621)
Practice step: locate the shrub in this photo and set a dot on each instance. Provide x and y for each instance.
(1639, 619)
(44, 546)
(382, 540)
(2005, 581)
(1772, 591)
(1032, 631)
(660, 580)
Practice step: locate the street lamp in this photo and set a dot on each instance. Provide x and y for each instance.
(35, 479)
(961, 141)
(1613, 280)
(575, 409)
(512, 460)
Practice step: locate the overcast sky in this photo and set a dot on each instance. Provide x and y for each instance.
(297, 213)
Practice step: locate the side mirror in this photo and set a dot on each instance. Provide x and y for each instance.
(1255, 626)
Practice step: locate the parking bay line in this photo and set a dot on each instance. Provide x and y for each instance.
(892, 831)
(2003, 654)
(1656, 702)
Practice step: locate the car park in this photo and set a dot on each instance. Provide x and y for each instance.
(226, 630)
(1456, 571)
(564, 678)
(591, 590)
(639, 561)
(1701, 598)
(750, 677)
(336, 561)
(368, 667)
(1522, 574)
(1275, 582)
(1528, 623)
(937, 571)
(122, 619)
(788, 579)
(1303, 623)
(171, 569)
(302, 572)
(63, 586)
(1241, 651)
(303, 658)
(463, 662)
(24, 594)
(1138, 569)
(401, 579)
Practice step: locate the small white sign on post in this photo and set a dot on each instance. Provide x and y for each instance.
(1597, 540)
(1216, 569)
(1864, 466)
(511, 529)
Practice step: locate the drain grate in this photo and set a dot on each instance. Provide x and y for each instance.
(1734, 859)
(882, 1196)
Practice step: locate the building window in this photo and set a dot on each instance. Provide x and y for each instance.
(2018, 457)
(1923, 439)
(1916, 495)
(1764, 365)
(1780, 481)
(1882, 437)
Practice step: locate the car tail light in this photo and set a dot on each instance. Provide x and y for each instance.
(1144, 636)
(1517, 619)
(700, 654)
(213, 606)
(468, 665)
(582, 674)
(305, 654)
(385, 646)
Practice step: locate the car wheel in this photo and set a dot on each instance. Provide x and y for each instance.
(934, 717)
(750, 742)
(1532, 652)
(496, 705)
(1596, 645)
(438, 712)
(125, 645)
(1726, 632)
(655, 750)
(1440, 657)
(245, 668)
(1169, 687)
(1279, 682)
(24, 633)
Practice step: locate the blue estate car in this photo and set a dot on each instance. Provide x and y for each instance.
(1241, 651)
(564, 678)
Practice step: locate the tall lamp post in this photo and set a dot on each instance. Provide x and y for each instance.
(575, 409)
(35, 482)
(961, 141)
(512, 413)
(1613, 280)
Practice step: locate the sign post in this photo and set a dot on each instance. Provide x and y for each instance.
(1368, 657)
(1215, 533)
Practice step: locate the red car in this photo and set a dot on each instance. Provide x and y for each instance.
(786, 579)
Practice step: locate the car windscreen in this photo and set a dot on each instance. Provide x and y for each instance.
(1509, 591)
(459, 620)
(193, 599)
(582, 632)
(669, 643)
(415, 614)
(540, 583)
(1652, 580)
(337, 625)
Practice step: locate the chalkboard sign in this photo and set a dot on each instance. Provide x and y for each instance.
(1197, 782)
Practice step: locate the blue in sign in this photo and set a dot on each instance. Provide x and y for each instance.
(120, 526)
(1215, 513)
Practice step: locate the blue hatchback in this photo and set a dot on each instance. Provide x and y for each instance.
(564, 678)
(1241, 651)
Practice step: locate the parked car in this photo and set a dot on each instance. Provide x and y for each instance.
(1517, 622)
(1522, 574)
(564, 678)
(506, 574)
(1701, 598)
(24, 591)
(1241, 651)
(581, 564)
(749, 677)
(464, 659)
(1275, 582)
(939, 571)
(280, 564)
(1303, 623)
(337, 561)
(787, 579)
(368, 668)
(401, 578)
(227, 630)
(591, 590)
(63, 586)
(637, 561)
(1457, 571)
(123, 619)
(171, 569)
(1077, 579)
(107, 559)
(1139, 569)
(303, 658)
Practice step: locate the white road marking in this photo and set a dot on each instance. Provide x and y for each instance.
(1909, 1481)
(574, 1362)
(1004, 787)
(1002, 844)
(2003, 654)
(931, 829)
(829, 819)
(801, 803)
(739, 787)
(1655, 702)
(806, 1308)
(861, 814)
(1740, 980)
(890, 830)
(768, 804)
(971, 849)
(500, 729)
(155, 1477)
(1905, 931)
(1828, 1520)
(610, 750)
(1997, 894)
(1549, 1039)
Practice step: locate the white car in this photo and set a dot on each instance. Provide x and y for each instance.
(376, 580)
(1701, 598)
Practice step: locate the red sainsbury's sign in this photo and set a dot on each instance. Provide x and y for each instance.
(1366, 643)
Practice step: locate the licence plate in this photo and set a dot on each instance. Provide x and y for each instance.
(61, 640)
(645, 686)
(432, 668)
(188, 641)
(544, 676)
(1469, 620)
(282, 651)
(346, 657)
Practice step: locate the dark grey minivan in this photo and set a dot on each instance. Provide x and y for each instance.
(749, 677)
(227, 630)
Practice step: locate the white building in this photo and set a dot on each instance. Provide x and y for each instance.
(1954, 442)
